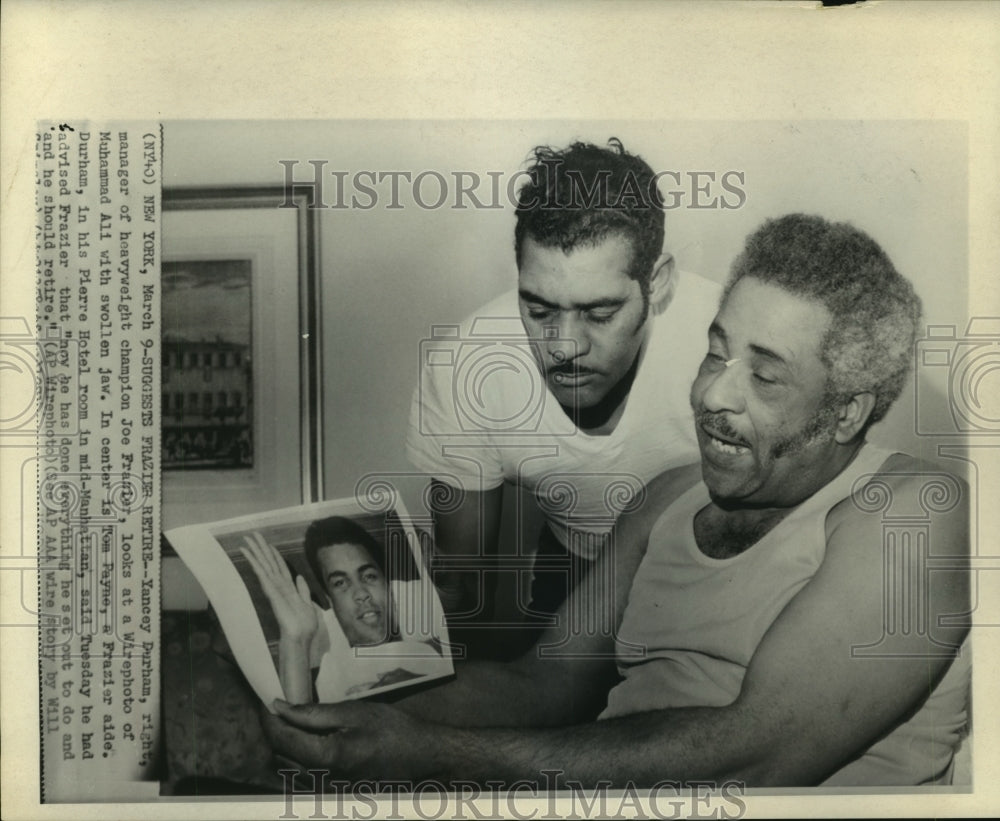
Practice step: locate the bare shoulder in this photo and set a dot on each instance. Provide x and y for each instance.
(658, 494)
(632, 531)
(905, 489)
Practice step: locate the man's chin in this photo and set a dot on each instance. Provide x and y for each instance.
(576, 396)
(723, 485)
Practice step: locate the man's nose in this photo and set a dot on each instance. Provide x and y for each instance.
(569, 338)
(723, 389)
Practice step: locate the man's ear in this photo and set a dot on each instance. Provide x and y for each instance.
(853, 416)
(662, 283)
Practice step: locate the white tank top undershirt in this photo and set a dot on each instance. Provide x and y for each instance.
(700, 620)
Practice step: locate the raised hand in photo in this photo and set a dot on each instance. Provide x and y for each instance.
(294, 611)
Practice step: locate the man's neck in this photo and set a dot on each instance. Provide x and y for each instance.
(603, 417)
(723, 531)
(722, 534)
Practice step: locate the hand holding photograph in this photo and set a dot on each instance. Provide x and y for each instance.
(321, 602)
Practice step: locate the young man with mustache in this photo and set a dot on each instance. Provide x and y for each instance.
(574, 387)
(778, 620)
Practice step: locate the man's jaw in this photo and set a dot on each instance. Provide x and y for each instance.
(575, 388)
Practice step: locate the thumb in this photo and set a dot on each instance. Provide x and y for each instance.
(302, 743)
(317, 717)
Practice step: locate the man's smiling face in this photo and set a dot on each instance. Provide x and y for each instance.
(589, 313)
(765, 423)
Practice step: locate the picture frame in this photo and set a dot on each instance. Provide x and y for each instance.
(241, 401)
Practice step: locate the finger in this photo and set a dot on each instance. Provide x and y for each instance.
(281, 582)
(280, 566)
(253, 548)
(284, 570)
(253, 540)
(324, 718)
(303, 587)
(252, 555)
(300, 746)
(258, 571)
(266, 582)
(268, 555)
(269, 558)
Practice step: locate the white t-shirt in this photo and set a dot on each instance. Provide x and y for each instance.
(482, 414)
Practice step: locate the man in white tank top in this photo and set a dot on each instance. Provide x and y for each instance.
(790, 611)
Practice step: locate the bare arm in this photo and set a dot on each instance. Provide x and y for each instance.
(465, 539)
(566, 676)
(806, 704)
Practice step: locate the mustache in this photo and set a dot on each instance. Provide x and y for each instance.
(719, 424)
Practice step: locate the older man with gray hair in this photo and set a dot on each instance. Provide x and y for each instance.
(768, 629)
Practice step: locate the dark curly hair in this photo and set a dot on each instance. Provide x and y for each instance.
(339, 530)
(584, 194)
(875, 311)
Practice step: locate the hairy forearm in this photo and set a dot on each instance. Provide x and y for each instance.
(508, 694)
(643, 750)
(681, 745)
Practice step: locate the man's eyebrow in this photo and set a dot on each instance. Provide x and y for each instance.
(528, 296)
(361, 569)
(767, 353)
(604, 302)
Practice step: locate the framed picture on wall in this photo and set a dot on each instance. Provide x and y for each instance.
(208, 373)
(240, 379)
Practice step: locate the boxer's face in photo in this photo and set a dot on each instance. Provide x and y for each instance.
(358, 591)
